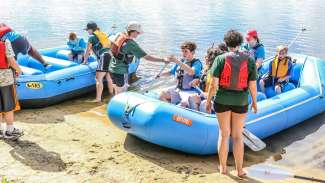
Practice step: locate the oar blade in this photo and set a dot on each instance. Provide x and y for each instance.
(252, 141)
(266, 172)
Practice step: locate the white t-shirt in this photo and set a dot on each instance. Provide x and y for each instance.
(7, 75)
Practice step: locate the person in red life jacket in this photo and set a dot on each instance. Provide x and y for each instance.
(234, 75)
(20, 44)
(186, 70)
(279, 71)
(254, 47)
(197, 101)
(8, 99)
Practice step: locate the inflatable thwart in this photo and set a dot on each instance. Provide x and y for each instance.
(63, 79)
(190, 131)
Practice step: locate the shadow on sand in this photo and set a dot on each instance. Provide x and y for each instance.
(32, 155)
(191, 164)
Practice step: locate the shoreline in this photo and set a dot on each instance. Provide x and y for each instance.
(75, 142)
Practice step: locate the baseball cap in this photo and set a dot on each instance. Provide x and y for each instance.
(134, 26)
(91, 25)
(251, 34)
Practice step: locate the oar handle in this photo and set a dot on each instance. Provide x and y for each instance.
(308, 178)
(161, 70)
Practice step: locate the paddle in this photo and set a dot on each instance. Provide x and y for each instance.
(253, 142)
(303, 29)
(266, 172)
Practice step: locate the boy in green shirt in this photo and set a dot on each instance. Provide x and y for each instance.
(124, 49)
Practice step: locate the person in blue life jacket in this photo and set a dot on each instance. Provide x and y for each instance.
(77, 47)
(254, 47)
(279, 71)
(20, 44)
(186, 70)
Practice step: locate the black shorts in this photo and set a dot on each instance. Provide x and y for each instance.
(20, 45)
(103, 62)
(118, 79)
(7, 98)
(220, 108)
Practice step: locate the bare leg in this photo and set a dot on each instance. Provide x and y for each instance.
(223, 140)
(165, 96)
(9, 117)
(237, 126)
(35, 54)
(99, 85)
(109, 84)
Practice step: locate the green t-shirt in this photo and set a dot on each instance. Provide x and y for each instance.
(227, 97)
(96, 46)
(131, 48)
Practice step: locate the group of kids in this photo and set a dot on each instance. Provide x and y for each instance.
(191, 74)
(114, 57)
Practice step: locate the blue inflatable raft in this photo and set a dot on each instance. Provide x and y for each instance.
(62, 80)
(194, 132)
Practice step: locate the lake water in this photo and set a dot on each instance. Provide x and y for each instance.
(167, 23)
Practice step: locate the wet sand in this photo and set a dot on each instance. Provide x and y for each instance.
(75, 142)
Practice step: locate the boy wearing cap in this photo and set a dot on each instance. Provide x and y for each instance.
(124, 49)
(103, 58)
(254, 47)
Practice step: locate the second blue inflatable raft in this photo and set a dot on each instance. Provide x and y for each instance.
(62, 80)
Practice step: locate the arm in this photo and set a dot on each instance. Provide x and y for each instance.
(87, 53)
(260, 55)
(183, 66)
(213, 88)
(155, 58)
(259, 62)
(12, 63)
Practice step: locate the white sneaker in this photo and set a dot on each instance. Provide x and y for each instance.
(15, 134)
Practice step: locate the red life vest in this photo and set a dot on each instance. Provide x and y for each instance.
(3, 57)
(234, 75)
(4, 30)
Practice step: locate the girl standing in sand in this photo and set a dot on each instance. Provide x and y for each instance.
(234, 73)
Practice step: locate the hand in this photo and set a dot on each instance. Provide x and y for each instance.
(254, 107)
(208, 107)
(167, 59)
(195, 83)
(18, 72)
(280, 80)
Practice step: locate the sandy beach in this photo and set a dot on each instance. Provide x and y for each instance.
(75, 142)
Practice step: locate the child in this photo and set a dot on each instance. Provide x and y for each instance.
(254, 47)
(77, 47)
(187, 69)
(197, 101)
(279, 71)
(8, 99)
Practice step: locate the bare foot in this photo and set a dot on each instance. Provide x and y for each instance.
(242, 174)
(96, 101)
(223, 169)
